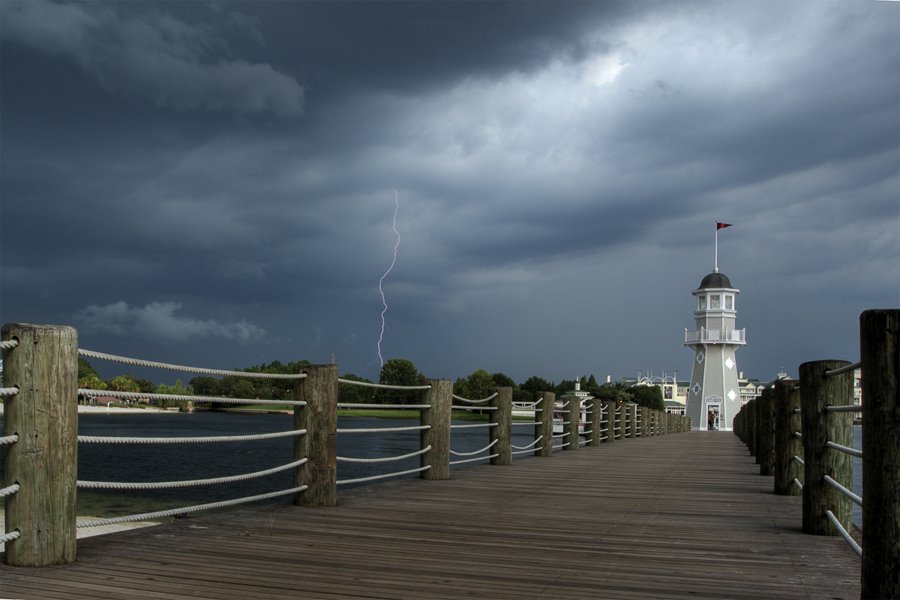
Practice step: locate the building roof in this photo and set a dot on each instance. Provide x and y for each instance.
(715, 280)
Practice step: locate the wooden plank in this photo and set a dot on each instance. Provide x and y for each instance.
(672, 516)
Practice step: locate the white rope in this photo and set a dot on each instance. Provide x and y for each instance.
(470, 408)
(528, 451)
(461, 399)
(844, 449)
(474, 426)
(159, 485)
(557, 436)
(383, 386)
(9, 344)
(845, 369)
(9, 439)
(384, 476)
(797, 459)
(468, 460)
(837, 525)
(196, 399)
(10, 391)
(849, 494)
(797, 483)
(96, 439)
(188, 509)
(384, 458)
(514, 423)
(384, 429)
(12, 535)
(9, 491)
(384, 406)
(200, 370)
(485, 449)
(844, 408)
(538, 439)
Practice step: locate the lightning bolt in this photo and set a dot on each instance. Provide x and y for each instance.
(386, 273)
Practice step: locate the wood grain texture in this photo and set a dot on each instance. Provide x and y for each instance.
(676, 516)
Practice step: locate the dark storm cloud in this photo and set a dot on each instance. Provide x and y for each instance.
(559, 167)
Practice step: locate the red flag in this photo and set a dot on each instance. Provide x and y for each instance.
(722, 225)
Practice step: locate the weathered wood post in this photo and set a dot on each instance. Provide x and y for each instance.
(502, 432)
(632, 420)
(609, 411)
(544, 429)
(620, 420)
(319, 389)
(572, 413)
(596, 407)
(626, 424)
(43, 462)
(766, 453)
(787, 445)
(645, 421)
(819, 426)
(879, 332)
(439, 397)
(751, 427)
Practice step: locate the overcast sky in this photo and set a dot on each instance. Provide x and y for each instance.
(214, 183)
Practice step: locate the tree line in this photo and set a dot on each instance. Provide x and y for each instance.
(395, 371)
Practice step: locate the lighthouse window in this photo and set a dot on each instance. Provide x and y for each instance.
(729, 302)
(714, 301)
(702, 303)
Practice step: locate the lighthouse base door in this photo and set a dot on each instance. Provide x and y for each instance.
(713, 416)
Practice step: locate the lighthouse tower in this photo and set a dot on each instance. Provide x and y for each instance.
(714, 397)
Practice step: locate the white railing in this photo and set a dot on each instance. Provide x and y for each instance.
(715, 336)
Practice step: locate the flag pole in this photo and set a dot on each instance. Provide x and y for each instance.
(717, 249)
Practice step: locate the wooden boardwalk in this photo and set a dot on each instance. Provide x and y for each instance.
(677, 516)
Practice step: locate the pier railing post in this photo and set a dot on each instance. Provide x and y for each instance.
(819, 426)
(610, 412)
(44, 414)
(645, 421)
(880, 356)
(751, 427)
(632, 420)
(787, 445)
(570, 424)
(595, 405)
(319, 417)
(544, 428)
(437, 419)
(766, 432)
(502, 432)
(620, 420)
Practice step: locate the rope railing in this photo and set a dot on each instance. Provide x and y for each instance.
(139, 362)
(174, 512)
(529, 446)
(382, 476)
(9, 490)
(11, 536)
(349, 405)
(842, 370)
(161, 485)
(847, 408)
(488, 399)
(797, 483)
(383, 459)
(9, 439)
(474, 426)
(843, 490)
(472, 408)
(520, 423)
(382, 429)
(383, 386)
(798, 460)
(89, 393)
(476, 459)
(210, 439)
(8, 391)
(844, 534)
(844, 449)
(531, 451)
(8, 344)
(474, 452)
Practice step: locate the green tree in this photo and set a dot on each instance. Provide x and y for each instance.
(648, 395)
(85, 369)
(535, 385)
(479, 384)
(173, 390)
(503, 380)
(347, 392)
(91, 381)
(400, 371)
(123, 383)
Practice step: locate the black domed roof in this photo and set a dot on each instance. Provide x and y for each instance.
(715, 280)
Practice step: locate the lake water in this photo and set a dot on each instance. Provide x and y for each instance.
(168, 462)
(175, 462)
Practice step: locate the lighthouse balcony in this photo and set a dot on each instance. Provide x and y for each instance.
(715, 336)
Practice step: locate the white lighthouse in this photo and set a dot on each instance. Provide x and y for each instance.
(714, 396)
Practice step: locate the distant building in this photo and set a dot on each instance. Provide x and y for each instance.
(674, 392)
